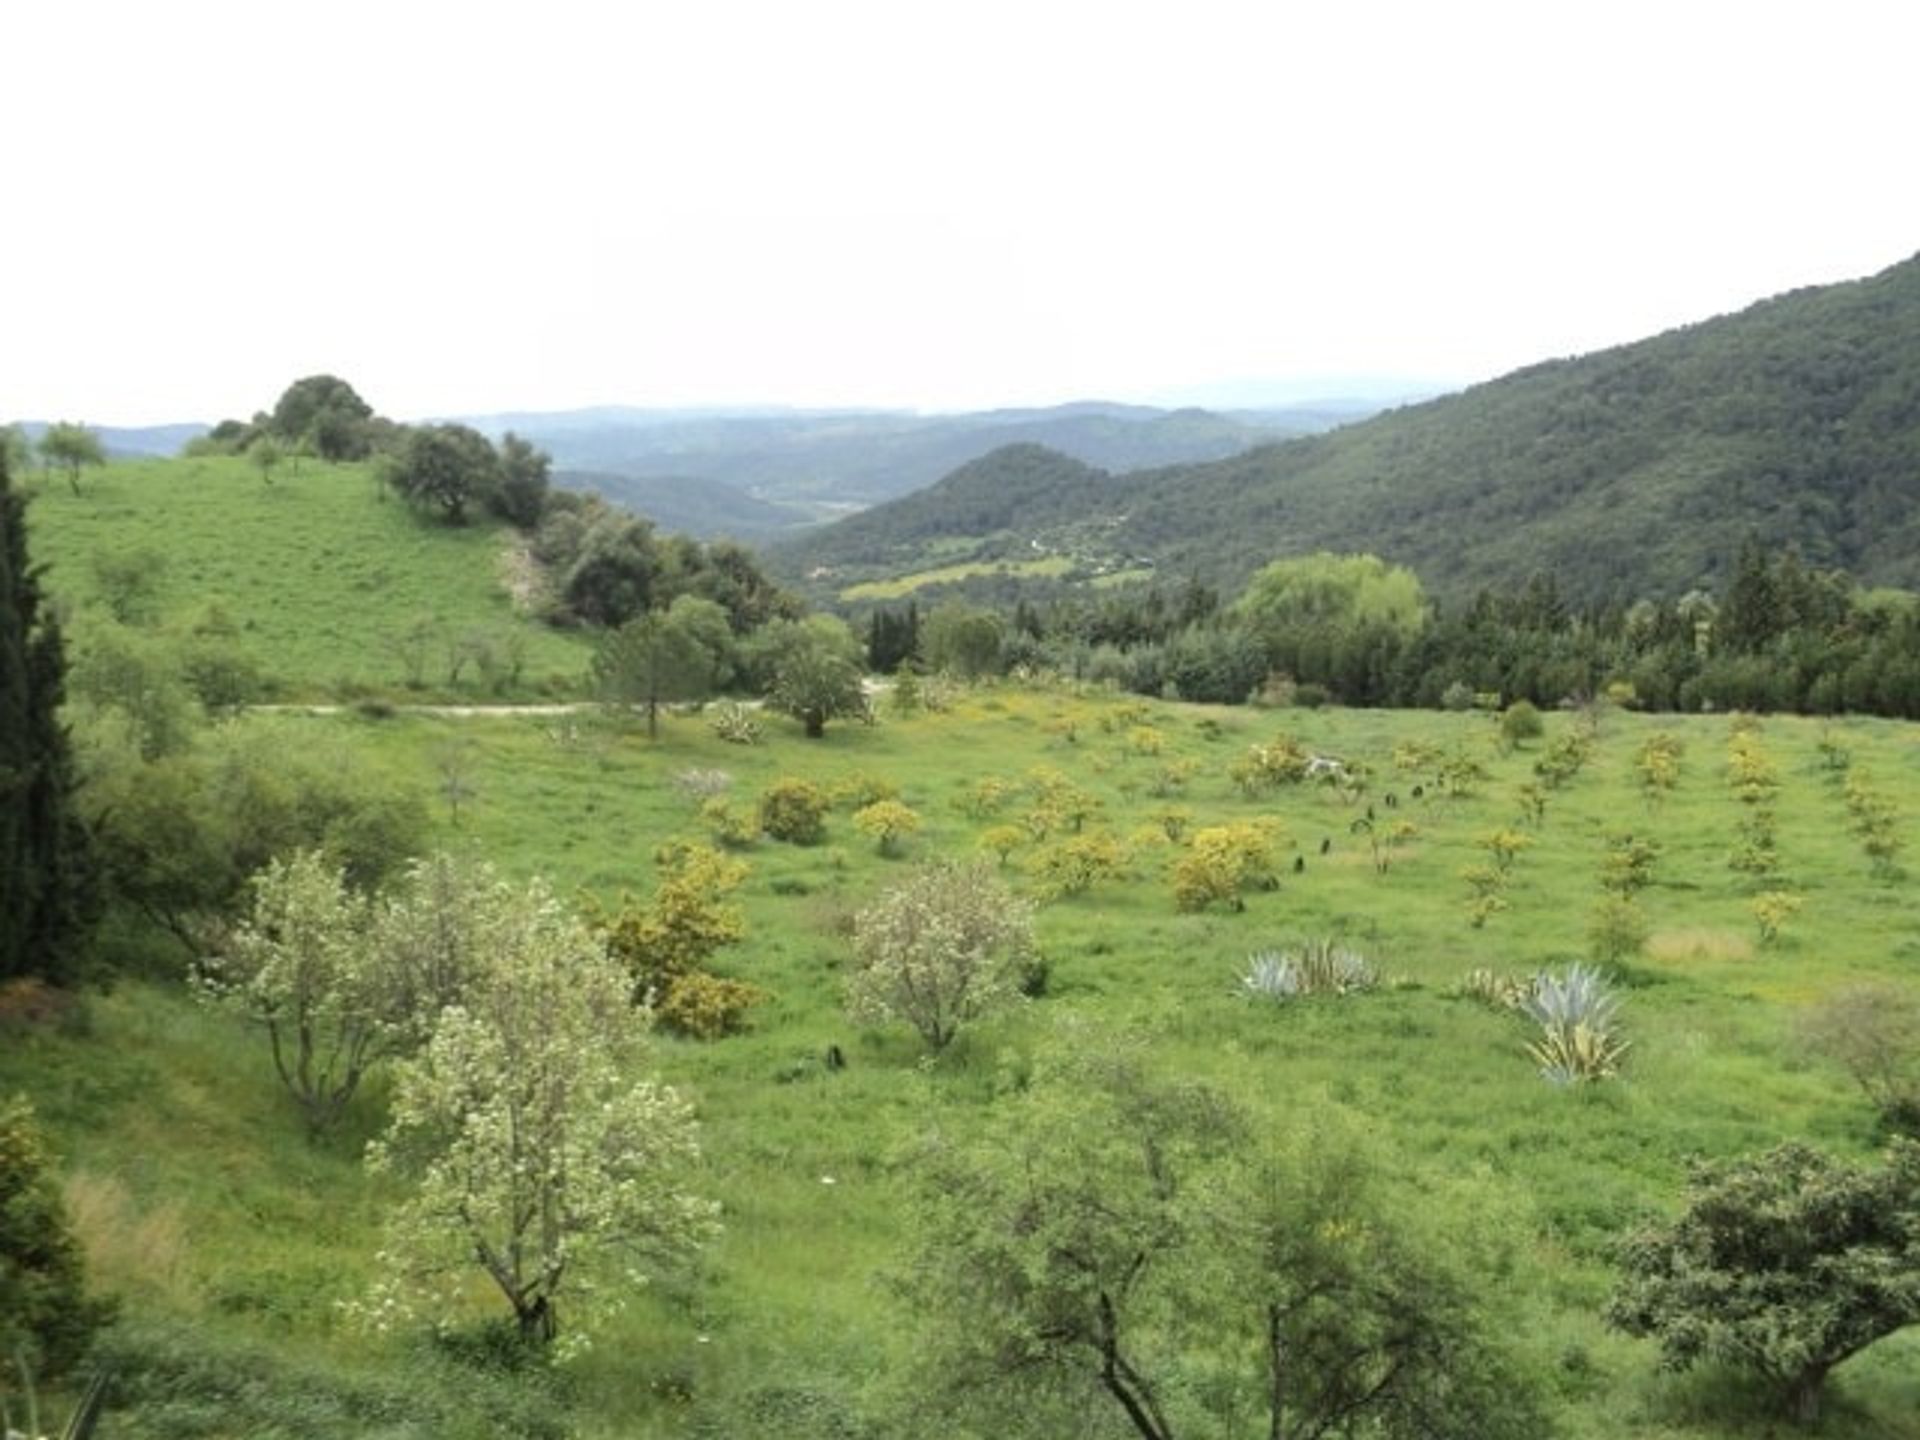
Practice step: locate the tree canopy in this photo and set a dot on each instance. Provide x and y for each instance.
(49, 900)
(1785, 1263)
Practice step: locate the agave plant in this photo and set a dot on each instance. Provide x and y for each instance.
(1578, 1055)
(1578, 1017)
(1319, 967)
(1270, 976)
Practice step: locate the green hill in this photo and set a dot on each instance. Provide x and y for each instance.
(1632, 471)
(327, 586)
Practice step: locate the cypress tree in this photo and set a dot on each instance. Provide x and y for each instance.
(48, 897)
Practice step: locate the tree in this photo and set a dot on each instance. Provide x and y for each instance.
(943, 948)
(651, 660)
(341, 984)
(614, 574)
(1785, 1263)
(522, 494)
(68, 447)
(816, 671)
(45, 1313)
(266, 453)
(50, 897)
(531, 1153)
(325, 410)
(962, 640)
(1107, 1247)
(445, 467)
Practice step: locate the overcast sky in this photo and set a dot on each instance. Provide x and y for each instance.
(471, 207)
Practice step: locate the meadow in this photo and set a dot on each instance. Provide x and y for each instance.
(204, 1207)
(234, 1242)
(333, 589)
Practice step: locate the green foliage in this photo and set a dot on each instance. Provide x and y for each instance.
(69, 447)
(1121, 1245)
(795, 811)
(325, 412)
(46, 1316)
(1521, 722)
(816, 672)
(1872, 1031)
(1617, 929)
(449, 468)
(179, 836)
(1785, 1264)
(50, 897)
(1332, 592)
(1627, 868)
(939, 950)
(962, 641)
(651, 660)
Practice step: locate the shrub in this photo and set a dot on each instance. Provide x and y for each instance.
(731, 828)
(45, 1312)
(1872, 1031)
(1617, 929)
(888, 822)
(1501, 992)
(1282, 761)
(795, 811)
(944, 948)
(1521, 722)
(1771, 912)
(1078, 863)
(706, 1007)
(1221, 861)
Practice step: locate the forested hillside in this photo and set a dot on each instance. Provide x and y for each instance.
(1636, 471)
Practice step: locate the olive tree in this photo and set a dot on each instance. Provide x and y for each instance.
(531, 1151)
(815, 671)
(943, 948)
(1123, 1245)
(1784, 1263)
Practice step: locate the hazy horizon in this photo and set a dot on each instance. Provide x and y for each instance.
(860, 205)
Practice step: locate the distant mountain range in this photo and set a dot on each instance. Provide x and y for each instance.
(1632, 471)
(754, 474)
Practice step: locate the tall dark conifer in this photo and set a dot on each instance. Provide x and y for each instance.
(47, 889)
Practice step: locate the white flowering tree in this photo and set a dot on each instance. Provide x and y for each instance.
(534, 1153)
(302, 966)
(941, 949)
(340, 983)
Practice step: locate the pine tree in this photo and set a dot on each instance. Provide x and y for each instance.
(49, 899)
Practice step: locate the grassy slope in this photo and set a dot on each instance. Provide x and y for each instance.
(317, 572)
(204, 1208)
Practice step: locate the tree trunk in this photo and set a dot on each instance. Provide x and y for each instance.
(1803, 1393)
(816, 724)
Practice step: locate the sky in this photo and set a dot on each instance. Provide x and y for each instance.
(466, 208)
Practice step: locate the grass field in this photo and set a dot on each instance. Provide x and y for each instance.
(902, 586)
(233, 1241)
(317, 576)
